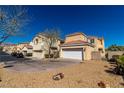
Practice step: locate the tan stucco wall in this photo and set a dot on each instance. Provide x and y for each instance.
(38, 55)
(38, 45)
(8, 49)
(99, 45)
(41, 44)
(75, 37)
(88, 51)
(28, 50)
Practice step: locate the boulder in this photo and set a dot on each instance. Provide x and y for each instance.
(58, 76)
(103, 84)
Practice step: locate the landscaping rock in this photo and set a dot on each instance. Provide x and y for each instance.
(58, 76)
(102, 84)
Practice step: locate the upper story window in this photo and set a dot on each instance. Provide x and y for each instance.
(101, 50)
(85, 38)
(101, 42)
(36, 41)
(92, 41)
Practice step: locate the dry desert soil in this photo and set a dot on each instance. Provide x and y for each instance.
(86, 74)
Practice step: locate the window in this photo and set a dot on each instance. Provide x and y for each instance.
(101, 42)
(101, 50)
(36, 41)
(92, 40)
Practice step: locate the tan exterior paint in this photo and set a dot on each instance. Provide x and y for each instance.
(88, 52)
(98, 45)
(40, 47)
(38, 55)
(75, 37)
(9, 48)
(26, 50)
(15, 48)
(21, 46)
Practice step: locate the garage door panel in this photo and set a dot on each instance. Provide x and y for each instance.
(73, 54)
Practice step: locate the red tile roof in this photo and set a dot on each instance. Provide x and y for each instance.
(77, 42)
(92, 37)
(28, 46)
(8, 44)
(77, 33)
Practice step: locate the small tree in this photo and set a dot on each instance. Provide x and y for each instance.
(1, 48)
(52, 37)
(12, 20)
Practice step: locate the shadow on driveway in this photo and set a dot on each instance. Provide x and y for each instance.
(31, 64)
(7, 58)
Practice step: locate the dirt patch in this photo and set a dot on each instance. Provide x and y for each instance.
(87, 74)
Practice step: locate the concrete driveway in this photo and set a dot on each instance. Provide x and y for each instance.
(33, 64)
(39, 65)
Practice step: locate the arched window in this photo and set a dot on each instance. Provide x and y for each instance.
(36, 41)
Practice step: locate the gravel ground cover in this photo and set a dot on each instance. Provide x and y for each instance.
(86, 74)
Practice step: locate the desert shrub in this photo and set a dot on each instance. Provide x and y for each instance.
(114, 58)
(120, 61)
(1, 48)
(47, 55)
(56, 54)
(120, 66)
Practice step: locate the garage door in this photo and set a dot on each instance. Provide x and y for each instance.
(73, 54)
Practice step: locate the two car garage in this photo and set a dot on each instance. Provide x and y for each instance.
(74, 53)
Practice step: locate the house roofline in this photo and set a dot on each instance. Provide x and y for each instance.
(76, 33)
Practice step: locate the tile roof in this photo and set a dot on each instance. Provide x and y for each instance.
(76, 43)
(92, 37)
(28, 46)
(8, 44)
(77, 33)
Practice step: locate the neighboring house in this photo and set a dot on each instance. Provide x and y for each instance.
(79, 46)
(27, 50)
(8, 47)
(21, 45)
(40, 48)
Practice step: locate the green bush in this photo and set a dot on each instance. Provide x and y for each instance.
(114, 58)
(120, 61)
(1, 48)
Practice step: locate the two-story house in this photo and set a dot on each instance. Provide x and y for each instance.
(80, 46)
(40, 47)
(21, 45)
(8, 47)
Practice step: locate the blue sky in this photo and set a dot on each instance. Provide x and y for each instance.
(101, 21)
